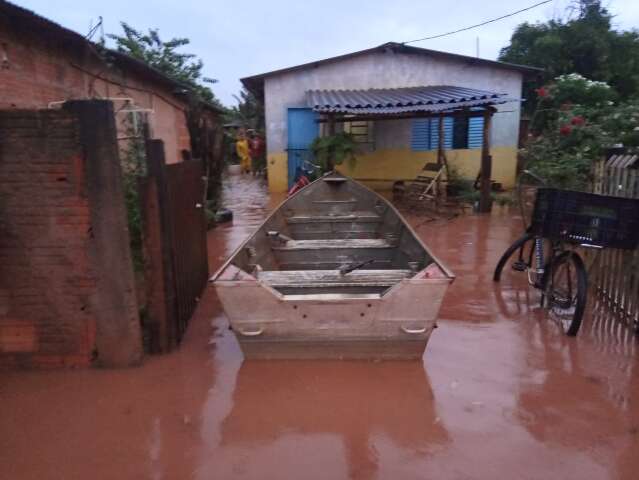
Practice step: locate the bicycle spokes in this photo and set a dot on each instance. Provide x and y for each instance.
(566, 292)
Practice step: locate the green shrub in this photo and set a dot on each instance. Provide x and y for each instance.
(339, 147)
(576, 121)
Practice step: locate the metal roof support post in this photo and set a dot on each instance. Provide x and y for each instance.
(330, 165)
(441, 155)
(485, 201)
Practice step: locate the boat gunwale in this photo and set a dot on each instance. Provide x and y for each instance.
(346, 299)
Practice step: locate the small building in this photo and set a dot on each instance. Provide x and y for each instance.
(391, 98)
(43, 64)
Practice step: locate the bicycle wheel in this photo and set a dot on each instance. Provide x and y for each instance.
(515, 247)
(566, 287)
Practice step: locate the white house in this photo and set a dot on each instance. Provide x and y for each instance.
(391, 97)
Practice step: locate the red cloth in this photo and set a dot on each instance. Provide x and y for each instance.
(301, 183)
(256, 147)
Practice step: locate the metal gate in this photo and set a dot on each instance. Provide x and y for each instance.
(175, 245)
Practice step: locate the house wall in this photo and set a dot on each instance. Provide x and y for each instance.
(393, 158)
(37, 71)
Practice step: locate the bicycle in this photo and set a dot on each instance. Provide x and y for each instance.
(561, 221)
(304, 175)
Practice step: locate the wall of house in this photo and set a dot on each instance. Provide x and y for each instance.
(393, 159)
(38, 71)
(67, 295)
(393, 156)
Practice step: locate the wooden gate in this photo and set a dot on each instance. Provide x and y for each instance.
(174, 234)
(618, 278)
(185, 195)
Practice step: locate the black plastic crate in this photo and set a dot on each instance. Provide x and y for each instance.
(586, 218)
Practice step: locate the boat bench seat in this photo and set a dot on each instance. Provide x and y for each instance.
(335, 243)
(333, 278)
(347, 217)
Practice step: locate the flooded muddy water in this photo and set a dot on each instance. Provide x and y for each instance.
(500, 392)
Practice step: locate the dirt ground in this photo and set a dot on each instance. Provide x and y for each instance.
(500, 392)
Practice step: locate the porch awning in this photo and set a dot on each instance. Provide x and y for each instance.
(388, 101)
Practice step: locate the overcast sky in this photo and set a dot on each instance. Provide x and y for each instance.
(241, 38)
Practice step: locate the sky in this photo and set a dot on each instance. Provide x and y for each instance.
(236, 39)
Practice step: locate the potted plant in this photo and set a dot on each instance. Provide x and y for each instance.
(332, 150)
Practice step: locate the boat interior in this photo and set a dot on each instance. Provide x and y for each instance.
(333, 237)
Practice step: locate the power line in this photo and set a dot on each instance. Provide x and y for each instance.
(480, 24)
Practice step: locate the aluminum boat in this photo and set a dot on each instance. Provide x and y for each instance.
(333, 272)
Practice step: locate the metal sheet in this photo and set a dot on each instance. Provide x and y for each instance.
(401, 100)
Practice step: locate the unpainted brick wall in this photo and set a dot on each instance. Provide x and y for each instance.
(56, 291)
(45, 278)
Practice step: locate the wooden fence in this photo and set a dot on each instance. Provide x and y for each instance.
(617, 279)
(174, 236)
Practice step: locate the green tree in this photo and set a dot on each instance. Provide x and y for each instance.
(583, 43)
(185, 68)
(249, 111)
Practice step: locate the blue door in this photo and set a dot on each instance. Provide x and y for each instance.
(302, 130)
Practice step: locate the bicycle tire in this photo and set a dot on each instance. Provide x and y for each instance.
(520, 242)
(556, 296)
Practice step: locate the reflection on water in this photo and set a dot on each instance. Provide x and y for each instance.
(356, 402)
(250, 203)
(574, 401)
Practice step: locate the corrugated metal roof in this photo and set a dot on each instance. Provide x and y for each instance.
(387, 101)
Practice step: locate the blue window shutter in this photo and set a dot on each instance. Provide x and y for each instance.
(448, 133)
(475, 132)
(434, 134)
(420, 138)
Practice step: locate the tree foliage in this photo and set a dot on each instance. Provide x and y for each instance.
(164, 56)
(249, 111)
(583, 43)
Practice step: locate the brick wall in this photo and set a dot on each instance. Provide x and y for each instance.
(51, 281)
(45, 278)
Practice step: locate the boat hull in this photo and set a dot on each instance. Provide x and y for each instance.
(312, 349)
(335, 272)
(270, 325)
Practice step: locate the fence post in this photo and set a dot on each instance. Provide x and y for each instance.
(118, 338)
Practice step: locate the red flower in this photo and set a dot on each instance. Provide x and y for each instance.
(565, 130)
(541, 92)
(578, 120)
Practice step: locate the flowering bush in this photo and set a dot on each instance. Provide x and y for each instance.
(575, 122)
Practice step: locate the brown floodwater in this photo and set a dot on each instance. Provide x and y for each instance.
(500, 392)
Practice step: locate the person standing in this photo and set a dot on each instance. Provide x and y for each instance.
(256, 150)
(242, 149)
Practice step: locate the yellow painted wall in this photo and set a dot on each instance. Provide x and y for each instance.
(277, 171)
(379, 169)
(404, 164)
